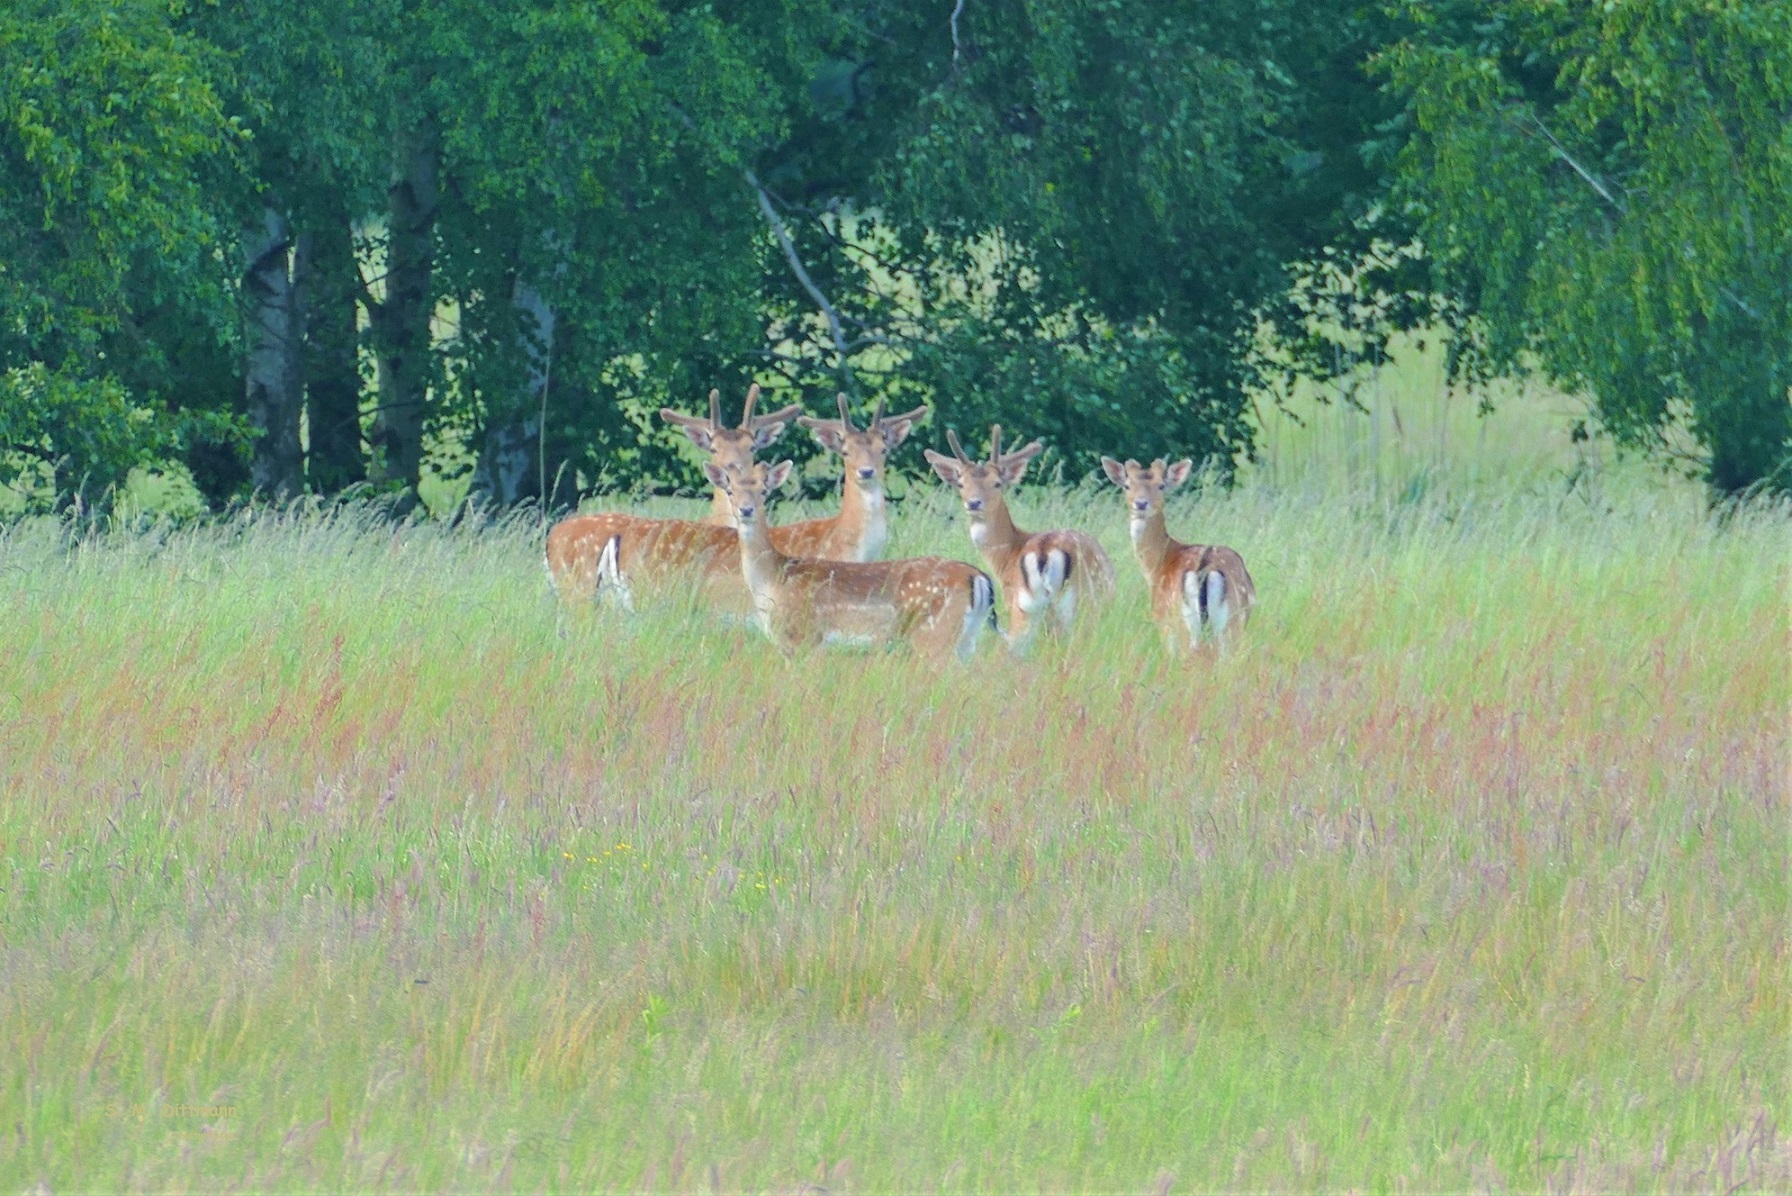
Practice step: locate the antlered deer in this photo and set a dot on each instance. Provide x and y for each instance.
(1196, 589)
(1043, 574)
(731, 448)
(617, 552)
(860, 530)
(937, 606)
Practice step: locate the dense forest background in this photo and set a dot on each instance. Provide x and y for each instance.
(308, 245)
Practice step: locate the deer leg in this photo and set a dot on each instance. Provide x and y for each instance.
(979, 611)
(1020, 627)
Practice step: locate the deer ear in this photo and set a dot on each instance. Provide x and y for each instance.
(698, 430)
(943, 465)
(777, 475)
(718, 477)
(1015, 464)
(897, 427)
(1178, 473)
(1116, 472)
(829, 435)
(767, 428)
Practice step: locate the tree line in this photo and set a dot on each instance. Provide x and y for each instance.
(304, 245)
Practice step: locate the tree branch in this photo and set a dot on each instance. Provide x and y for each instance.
(835, 328)
(1562, 152)
(1594, 182)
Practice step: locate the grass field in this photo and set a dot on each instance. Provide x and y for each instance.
(333, 856)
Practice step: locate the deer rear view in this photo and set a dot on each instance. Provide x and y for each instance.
(1197, 590)
(1045, 575)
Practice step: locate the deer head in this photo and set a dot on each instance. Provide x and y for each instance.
(1146, 485)
(979, 484)
(732, 446)
(746, 489)
(867, 450)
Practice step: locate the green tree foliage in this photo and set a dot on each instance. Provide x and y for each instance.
(1608, 189)
(110, 131)
(591, 155)
(1084, 212)
(517, 231)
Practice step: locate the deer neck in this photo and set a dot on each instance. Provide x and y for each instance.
(996, 537)
(720, 513)
(862, 517)
(1150, 540)
(761, 563)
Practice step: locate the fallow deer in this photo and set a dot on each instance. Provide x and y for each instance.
(1196, 589)
(1044, 575)
(616, 552)
(860, 530)
(731, 448)
(937, 606)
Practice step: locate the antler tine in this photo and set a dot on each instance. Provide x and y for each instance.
(715, 410)
(746, 412)
(845, 416)
(952, 440)
(877, 416)
(995, 444)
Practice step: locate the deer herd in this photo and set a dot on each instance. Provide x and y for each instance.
(821, 580)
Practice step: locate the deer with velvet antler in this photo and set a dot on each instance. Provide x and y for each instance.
(618, 553)
(861, 528)
(1045, 576)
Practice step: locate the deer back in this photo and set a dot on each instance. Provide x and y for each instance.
(643, 551)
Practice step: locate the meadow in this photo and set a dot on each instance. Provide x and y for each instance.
(334, 855)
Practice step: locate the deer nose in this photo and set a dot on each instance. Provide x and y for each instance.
(973, 504)
(746, 512)
(867, 474)
(1141, 504)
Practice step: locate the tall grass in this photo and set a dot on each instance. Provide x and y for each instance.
(336, 856)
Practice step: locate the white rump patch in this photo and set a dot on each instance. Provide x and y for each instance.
(609, 574)
(1041, 578)
(1204, 602)
(976, 616)
(1219, 611)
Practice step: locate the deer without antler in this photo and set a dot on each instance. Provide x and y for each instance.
(1043, 574)
(937, 606)
(1195, 588)
(616, 552)
(860, 530)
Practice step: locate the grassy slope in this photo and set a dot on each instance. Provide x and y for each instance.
(334, 857)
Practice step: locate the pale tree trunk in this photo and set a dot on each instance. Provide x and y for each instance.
(510, 464)
(332, 363)
(402, 322)
(274, 374)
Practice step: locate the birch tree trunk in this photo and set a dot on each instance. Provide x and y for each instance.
(332, 362)
(402, 324)
(274, 378)
(510, 466)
